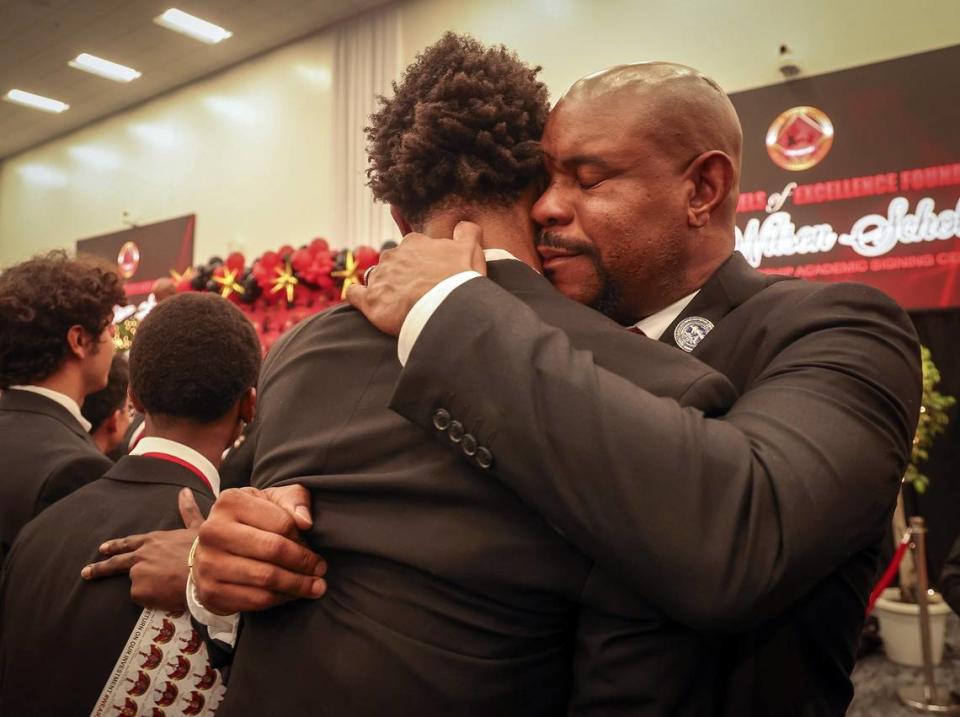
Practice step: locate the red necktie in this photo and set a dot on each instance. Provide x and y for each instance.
(636, 330)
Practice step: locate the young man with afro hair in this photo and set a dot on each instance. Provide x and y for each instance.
(193, 366)
(55, 349)
(446, 594)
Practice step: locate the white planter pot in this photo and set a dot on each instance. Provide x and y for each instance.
(900, 627)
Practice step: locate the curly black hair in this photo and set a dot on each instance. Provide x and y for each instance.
(464, 122)
(194, 357)
(40, 299)
(98, 407)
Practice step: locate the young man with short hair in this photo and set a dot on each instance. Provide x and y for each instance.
(193, 366)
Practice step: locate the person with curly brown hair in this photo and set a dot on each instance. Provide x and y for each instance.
(56, 348)
(447, 595)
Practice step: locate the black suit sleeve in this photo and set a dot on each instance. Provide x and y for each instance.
(719, 522)
(950, 578)
(69, 476)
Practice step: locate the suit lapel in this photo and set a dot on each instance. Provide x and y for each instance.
(27, 402)
(143, 469)
(731, 285)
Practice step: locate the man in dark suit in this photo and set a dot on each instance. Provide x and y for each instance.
(763, 524)
(55, 349)
(62, 639)
(449, 596)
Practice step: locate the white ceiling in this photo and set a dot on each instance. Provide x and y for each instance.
(39, 37)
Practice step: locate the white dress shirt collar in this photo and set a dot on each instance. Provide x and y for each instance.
(498, 255)
(61, 398)
(655, 324)
(152, 444)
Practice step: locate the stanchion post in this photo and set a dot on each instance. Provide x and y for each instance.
(925, 698)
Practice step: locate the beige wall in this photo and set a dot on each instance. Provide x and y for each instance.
(249, 151)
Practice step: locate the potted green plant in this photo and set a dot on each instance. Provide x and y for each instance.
(897, 608)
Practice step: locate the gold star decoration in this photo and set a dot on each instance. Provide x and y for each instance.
(285, 280)
(178, 277)
(349, 274)
(229, 283)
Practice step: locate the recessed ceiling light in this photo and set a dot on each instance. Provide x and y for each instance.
(104, 68)
(37, 102)
(196, 28)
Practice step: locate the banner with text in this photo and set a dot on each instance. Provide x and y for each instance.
(855, 176)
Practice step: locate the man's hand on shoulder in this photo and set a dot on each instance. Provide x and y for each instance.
(405, 274)
(250, 554)
(156, 561)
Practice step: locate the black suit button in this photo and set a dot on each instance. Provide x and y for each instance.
(441, 419)
(456, 431)
(484, 457)
(469, 444)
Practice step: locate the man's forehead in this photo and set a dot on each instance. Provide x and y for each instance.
(583, 132)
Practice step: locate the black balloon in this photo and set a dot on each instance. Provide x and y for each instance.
(251, 289)
(213, 286)
(214, 262)
(340, 261)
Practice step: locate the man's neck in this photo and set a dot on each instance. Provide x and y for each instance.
(508, 228)
(67, 382)
(209, 440)
(102, 441)
(700, 269)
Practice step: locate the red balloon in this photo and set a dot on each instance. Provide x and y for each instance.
(365, 257)
(301, 260)
(236, 262)
(270, 260)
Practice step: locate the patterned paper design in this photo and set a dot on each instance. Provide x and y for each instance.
(163, 671)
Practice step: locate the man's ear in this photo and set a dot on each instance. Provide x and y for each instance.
(136, 401)
(711, 178)
(248, 405)
(78, 340)
(401, 221)
(112, 423)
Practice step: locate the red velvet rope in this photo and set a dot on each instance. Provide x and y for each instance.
(889, 572)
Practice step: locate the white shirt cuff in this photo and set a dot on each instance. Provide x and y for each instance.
(422, 311)
(220, 627)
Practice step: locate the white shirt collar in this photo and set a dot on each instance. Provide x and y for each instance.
(498, 255)
(655, 324)
(61, 398)
(152, 444)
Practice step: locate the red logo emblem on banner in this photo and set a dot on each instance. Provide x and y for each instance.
(128, 259)
(799, 138)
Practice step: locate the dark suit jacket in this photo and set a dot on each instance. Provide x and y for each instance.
(447, 596)
(60, 636)
(763, 523)
(950, 578)
(44, 455)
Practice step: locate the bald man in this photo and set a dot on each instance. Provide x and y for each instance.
(762, 527)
